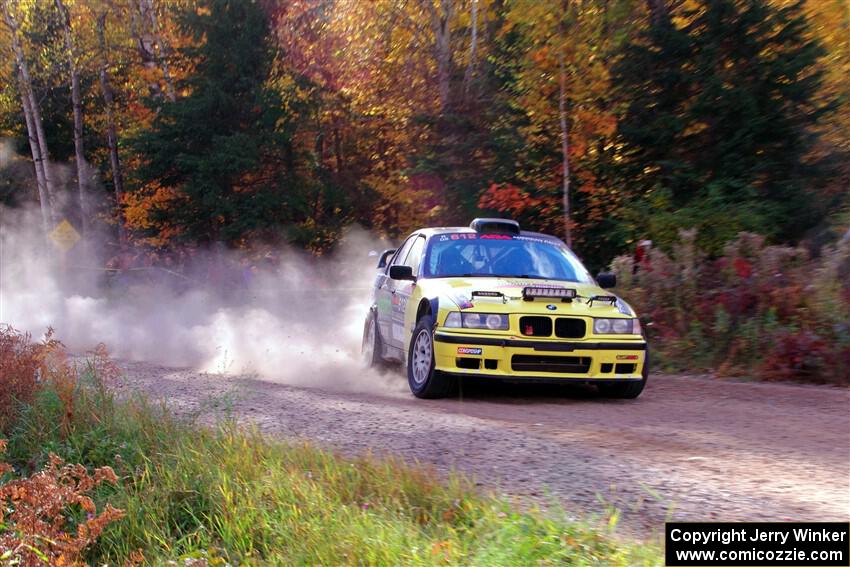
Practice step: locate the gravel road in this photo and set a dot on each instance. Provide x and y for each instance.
(690, 448)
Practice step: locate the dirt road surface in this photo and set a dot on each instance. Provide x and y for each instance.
(690, 448)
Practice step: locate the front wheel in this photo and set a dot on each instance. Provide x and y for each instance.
(623, 390)
(422, 377)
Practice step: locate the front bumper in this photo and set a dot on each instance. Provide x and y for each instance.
(533, 360)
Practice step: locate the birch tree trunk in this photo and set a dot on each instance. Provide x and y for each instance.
(79, 153)
(31, 107)
(337, 144)
(43, 198)
(473, 49)
(162, 51)
(565, 134)
(151, 46)
(441, 28)
(45, 154)
(145, 49)
(111, 135)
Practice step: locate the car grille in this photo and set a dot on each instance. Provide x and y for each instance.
(569, 328)
(558, 364)
(535, 326)
(565, 327)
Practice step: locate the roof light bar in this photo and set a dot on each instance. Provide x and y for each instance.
(562, 293)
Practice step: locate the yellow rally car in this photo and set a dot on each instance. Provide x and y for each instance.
(495, 301)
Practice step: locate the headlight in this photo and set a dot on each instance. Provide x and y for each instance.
(616, 326)
(490, 321)
(453, 320)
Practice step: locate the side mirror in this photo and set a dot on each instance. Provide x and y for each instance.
(402, 273)
(384, 257)
(606, 280)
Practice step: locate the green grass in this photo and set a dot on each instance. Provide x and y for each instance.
(232, 496)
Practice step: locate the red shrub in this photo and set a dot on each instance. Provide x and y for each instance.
(22, 363)
(35, 513)
(800, 355)
(774, 311)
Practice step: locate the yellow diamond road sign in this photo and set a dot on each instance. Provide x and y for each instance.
(64, 236)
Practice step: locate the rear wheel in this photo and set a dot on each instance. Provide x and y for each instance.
(424, 380)
(371, 349)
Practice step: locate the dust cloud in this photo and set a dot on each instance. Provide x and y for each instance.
(287, 317)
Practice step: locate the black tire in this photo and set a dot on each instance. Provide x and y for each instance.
(623, 390)
(626, 390)
(423, 379)
(371, 349)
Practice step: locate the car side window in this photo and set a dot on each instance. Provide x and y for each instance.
(414, 256)
(398, 259)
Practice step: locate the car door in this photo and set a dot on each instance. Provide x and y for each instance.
(401, 292)
(384, 288)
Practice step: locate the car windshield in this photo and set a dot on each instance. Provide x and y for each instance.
(491, 255)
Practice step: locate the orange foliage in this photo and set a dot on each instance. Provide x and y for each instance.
(36, 512)
(508, 198)
(22, 364)
(40, 515)
(542, 211)
(138, 209)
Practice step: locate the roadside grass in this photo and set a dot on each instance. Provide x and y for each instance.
(230, 495)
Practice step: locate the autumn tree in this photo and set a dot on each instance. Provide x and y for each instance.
(72, 54)
(210, 163)
(554, 66)
(31, 107)
(721, 108)
(108, 95)
(829, 24)
(602, 121)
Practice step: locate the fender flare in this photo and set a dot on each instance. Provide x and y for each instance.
(433, 305)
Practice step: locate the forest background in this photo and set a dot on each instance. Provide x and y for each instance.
(160, 127)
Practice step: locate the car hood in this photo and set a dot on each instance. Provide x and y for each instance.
(459, 291)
